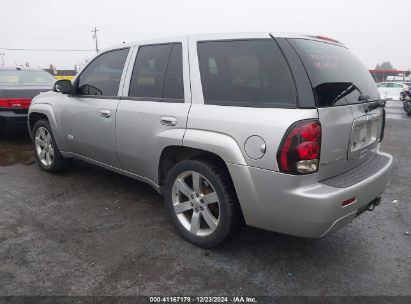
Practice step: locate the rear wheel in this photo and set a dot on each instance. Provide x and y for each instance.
(47, 154)
(201, 202)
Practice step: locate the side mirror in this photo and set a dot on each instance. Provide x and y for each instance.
(63, 86)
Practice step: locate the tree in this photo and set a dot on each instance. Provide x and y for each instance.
(386, 65)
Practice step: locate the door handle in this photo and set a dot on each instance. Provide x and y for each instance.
(168, 121)
(104, 113)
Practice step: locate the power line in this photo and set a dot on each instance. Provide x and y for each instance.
(45, 50)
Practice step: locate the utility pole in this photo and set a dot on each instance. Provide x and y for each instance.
(95, 37)
(2, 58)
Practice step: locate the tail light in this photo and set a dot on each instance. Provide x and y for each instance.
(299, 152)
(15, 103)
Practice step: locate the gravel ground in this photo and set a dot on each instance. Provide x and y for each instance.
(92, 232)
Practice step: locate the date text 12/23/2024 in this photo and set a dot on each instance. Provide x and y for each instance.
(203, 299)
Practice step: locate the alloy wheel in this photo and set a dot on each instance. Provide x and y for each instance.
(196, 203)
(44, 146)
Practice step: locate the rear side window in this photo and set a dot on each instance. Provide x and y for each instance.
(173, 82)
(336, 75)
(249, 73)
(158, 73)
(102, 76)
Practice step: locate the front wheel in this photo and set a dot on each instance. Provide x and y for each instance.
(47, 154)
(202, 203)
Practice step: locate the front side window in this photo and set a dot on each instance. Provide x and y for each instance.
(158, 73)
(245, 73)
(102, 76)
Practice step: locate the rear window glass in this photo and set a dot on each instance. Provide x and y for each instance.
(148, 73)
(21, 77)
(158, 73)
(336, 75)
(245, 73)
(173, 80)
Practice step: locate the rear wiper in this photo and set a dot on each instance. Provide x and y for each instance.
(346, 91)
(375, 104)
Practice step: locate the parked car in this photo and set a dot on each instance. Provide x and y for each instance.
(17, 88)
(392, 89)
(282, 132)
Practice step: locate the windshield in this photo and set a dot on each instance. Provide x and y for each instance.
(21, 77)
(336, 75)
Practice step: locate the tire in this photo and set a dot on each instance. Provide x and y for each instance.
(407, 107)
(42, 135)
(214, 184)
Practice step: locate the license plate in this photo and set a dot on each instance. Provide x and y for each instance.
(364, 134)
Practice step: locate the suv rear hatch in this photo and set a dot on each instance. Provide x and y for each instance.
(343, 89)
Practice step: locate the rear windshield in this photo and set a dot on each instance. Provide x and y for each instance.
(20, 77)
(248, 73)
(336, 75)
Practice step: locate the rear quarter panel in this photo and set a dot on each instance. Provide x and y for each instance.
(240, 123)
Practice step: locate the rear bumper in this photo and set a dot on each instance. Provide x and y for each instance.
(8, 113)
(300, 205)
(11, 118)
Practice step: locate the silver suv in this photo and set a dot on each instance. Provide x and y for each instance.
(281, 132)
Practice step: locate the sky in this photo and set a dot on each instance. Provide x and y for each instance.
(373, 29)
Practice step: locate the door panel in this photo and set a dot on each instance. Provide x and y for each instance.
(141, 136)
(88, 132)
(88, 116)
(152, 114)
